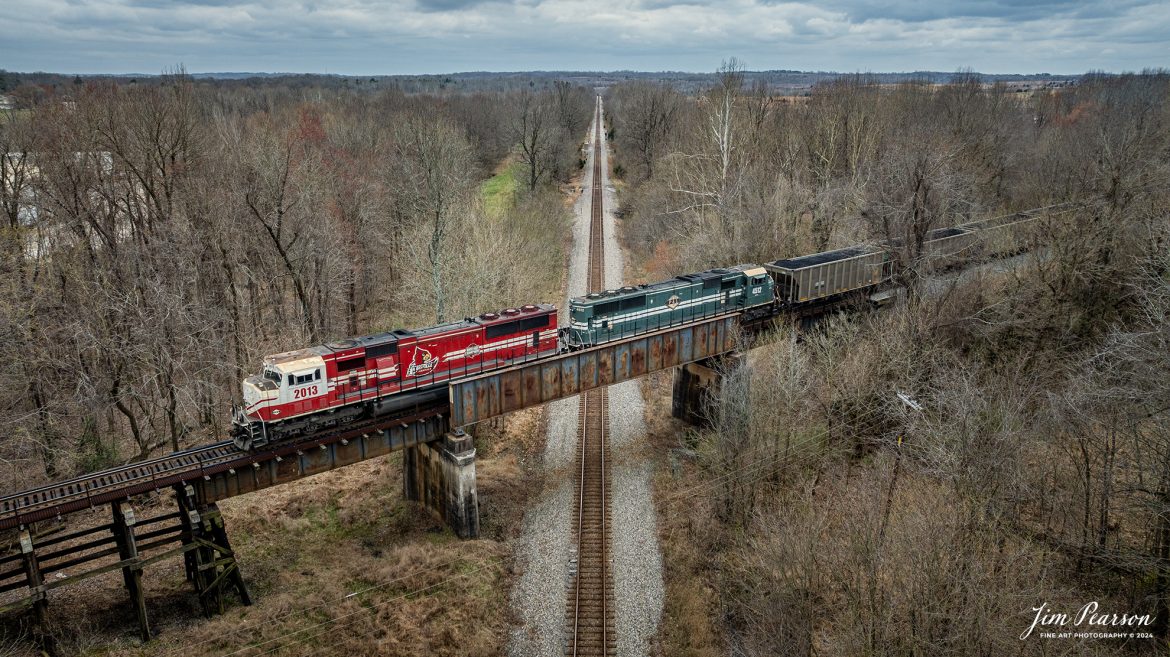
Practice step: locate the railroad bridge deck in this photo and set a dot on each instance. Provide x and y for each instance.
(219, 471)
(532, 384)
(439, 471)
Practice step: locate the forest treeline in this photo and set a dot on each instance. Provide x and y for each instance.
(26, 87)
(158, 241)
(28, 90)
(828, 515)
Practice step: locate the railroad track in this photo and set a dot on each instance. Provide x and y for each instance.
(155, 474)
(95, 488)
(589, 612)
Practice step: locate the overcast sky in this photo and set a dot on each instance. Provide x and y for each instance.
(366, 37)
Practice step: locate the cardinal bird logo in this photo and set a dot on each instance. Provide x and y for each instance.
(423, 363)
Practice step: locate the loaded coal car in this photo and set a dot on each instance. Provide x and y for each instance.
(942, 248)
(826, 276)
(337, 383)
(600, 317)
(947, 247)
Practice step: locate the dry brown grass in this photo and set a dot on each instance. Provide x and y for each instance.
(338, 564)
(689, 626)
(686, 535)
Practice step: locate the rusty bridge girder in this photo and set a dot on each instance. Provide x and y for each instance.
(289, 463)
(532, 384)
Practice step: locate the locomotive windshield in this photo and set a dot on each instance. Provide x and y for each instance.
(272, 375)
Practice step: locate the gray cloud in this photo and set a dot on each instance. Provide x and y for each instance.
(447, 5)
(421, 36)
(918, 11)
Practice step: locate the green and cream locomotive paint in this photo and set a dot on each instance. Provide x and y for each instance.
(603, 316)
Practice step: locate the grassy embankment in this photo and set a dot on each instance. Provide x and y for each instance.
(337, 564)
(499, 191)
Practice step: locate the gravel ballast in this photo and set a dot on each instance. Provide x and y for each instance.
(637, 561)
(546, 546)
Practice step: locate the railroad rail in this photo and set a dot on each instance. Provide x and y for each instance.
(98, 488)
(589, 612)
(199, 466)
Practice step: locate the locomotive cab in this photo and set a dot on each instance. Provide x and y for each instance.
(295, 378)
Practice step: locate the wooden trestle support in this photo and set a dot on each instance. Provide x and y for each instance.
(197, 529)
(210, 562)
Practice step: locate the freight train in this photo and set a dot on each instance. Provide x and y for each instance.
(301, 392)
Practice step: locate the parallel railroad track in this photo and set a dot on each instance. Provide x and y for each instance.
(589, 612)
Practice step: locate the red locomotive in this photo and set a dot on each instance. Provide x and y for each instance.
(301, 392)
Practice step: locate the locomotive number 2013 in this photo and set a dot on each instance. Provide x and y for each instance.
(302, 393)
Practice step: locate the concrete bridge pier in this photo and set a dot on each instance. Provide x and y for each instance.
(697, 385)
(441, 476)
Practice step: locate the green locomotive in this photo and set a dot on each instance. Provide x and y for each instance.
(603, 316)
(791, 283)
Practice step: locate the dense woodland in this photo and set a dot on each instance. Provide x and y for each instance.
(158, 240)
(822, 514)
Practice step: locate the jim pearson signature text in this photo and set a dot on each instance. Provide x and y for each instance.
(1086, 616)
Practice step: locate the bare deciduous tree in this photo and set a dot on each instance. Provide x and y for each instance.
(436, 159)
(533, 126)
(645, 115)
